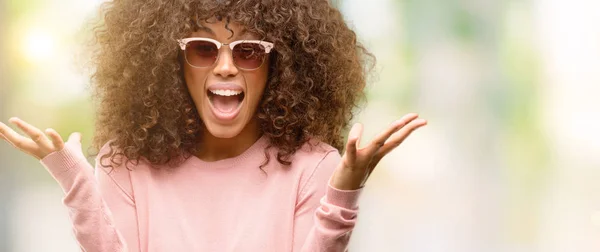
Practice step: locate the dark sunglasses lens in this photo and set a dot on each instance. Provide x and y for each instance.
(201, 53)
(248, 55)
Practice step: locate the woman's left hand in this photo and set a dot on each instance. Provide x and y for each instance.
(358, 164)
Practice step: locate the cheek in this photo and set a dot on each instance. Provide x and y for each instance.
(256, 86)
(194, 81)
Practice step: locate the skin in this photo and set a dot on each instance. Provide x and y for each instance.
(228, 139)
(353, 171)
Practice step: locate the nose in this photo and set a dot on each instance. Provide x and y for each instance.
(225, 66)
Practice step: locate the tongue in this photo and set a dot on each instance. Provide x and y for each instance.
(225, 104)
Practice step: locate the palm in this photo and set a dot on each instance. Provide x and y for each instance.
(38, 144)
(358, 164)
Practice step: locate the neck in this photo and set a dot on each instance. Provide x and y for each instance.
(215, 149)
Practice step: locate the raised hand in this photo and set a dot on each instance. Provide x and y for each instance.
(38, 144)
(358, 164)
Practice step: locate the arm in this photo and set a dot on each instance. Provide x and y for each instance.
(116, 189)
(335, 215)
(87, 199)
(324, 216)
(93, 223)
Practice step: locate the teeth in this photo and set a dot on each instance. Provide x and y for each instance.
(223, 92)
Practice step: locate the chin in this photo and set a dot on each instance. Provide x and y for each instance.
(223, 131)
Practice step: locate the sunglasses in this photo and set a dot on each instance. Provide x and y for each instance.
(204, 52)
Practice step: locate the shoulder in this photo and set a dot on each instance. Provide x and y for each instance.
(107, 160)
(312, 153)
(112, 172)
(316, 162)
(110, 157)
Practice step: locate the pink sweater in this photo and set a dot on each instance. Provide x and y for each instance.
(227, 205)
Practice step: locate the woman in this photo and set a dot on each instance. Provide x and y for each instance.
(219, 125)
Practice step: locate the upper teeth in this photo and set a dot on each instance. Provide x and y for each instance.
(224, 92)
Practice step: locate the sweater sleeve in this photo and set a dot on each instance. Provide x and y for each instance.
(324, 216)
(93, 222)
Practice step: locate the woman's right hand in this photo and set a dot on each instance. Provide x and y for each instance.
(38, 144)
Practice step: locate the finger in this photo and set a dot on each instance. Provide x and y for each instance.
(17, 140)
(75, 137)
(394, 142)
(6, 139)
(400, 136)
(380, 139)
(56, 139)
(34, 133)
(353, 141)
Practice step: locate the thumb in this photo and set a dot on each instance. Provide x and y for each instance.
(75, 138)
(356, 133)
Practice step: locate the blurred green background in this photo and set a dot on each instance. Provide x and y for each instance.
(510, 160)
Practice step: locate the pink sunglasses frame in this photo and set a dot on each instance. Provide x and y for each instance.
(183, 44)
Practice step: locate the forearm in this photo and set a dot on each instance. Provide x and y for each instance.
(92, 221)
(333, 222)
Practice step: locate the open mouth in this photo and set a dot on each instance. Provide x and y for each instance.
(225, 103)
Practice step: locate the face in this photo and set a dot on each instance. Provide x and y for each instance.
(225, 93)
